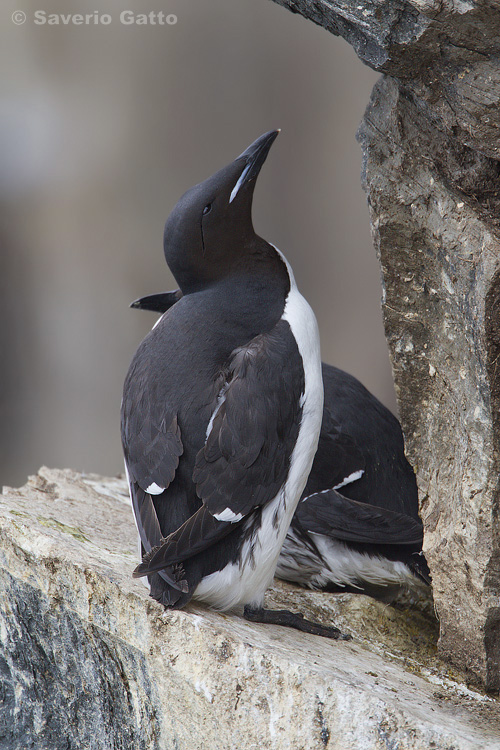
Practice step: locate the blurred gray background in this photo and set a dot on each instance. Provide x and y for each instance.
(102, 128)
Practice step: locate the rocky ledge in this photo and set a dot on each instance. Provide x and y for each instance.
(88, 660)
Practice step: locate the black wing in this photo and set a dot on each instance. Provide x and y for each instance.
(388, 480)
(250, 439)
(246, 456)
(150, 434)
(198, 533)
(331, 514)
(152, 446)
(337, 459)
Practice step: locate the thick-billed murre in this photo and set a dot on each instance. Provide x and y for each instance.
(357, 526)
(222, 406)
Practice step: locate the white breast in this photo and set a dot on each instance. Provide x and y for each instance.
(246, 582)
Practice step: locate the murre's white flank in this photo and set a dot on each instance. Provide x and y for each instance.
(346, 566)
(339, 564)
(246, 582)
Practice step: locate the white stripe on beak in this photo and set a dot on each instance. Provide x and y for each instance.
(242, 176)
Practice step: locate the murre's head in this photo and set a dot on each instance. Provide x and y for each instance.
(210, 229)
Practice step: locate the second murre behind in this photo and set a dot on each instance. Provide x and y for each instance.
(222, 406)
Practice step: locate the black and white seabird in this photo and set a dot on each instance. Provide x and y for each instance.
(357, 526)
(222, 405)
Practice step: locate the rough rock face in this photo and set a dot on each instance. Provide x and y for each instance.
(87, 660)
(439, 261)
(431, 144)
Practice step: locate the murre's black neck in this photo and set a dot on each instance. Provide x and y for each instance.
(209, 234)
(241, 257)
(253, 295)
(254, 260)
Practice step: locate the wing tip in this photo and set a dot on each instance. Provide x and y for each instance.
(174, 580)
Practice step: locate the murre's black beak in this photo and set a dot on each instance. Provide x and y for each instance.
(157, 302)
(253, 158)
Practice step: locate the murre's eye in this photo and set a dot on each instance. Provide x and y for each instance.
(207, 209)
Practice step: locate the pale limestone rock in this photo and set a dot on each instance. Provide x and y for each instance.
(89, 661)
(439, 259)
